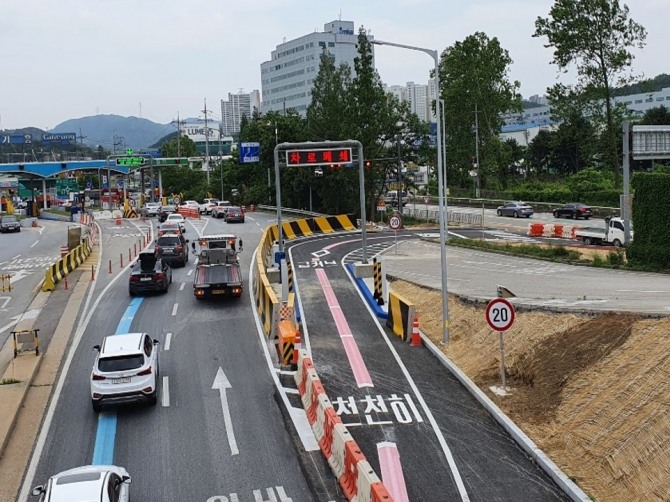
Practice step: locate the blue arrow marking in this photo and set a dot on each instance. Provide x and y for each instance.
(103, 452)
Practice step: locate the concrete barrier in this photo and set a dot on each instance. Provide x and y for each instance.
(401, 314)
(66, 265)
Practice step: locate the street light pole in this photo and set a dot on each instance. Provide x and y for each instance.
(478, 186)
(442, 201)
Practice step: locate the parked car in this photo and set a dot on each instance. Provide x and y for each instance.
(574, 210)
(515, 209)
(95, 483)
(165, 211)
(172, 248)
(150, 209)
(125, 370)
(9, 223)
(149, 273)
(219, 210)
(234, 213)
(206, 206)
(169, 227)
(177, 218)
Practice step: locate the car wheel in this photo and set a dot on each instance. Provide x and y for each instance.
(574, 216)
(586, 217)
(499, 212)
(587, 241)
(556, 214)
(617, 243)
(516, 215)
(131, 292)
(153, 398)
(96, 405)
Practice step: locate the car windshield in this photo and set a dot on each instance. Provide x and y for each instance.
(78, 478)
(175, 216)
(121, 363)
(234, 210)
(168, 208)
(8, 219)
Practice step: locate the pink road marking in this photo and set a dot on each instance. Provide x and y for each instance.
(350, 347)
(392, 476)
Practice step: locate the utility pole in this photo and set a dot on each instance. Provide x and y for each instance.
(477, 190)
(206, 142)
(179, 124)
(399, 191)
(81, 140)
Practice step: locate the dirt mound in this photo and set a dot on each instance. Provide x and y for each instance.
(591, 391)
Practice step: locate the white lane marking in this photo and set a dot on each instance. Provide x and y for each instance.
(168, 339)
(165, 392)
(288, 390)
(181, 288)
(456, 475)
(221, 383)
(190, 272)
(638, 291)
(174, 309)
(34, 243)
(16, 257)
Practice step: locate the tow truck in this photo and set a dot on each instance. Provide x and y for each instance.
(218, 272)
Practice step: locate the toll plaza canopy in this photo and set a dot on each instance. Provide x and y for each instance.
(50, 169)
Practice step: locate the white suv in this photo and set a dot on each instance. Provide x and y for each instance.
(125, 370)
(207, 205)
(219, 210)
(97, 483)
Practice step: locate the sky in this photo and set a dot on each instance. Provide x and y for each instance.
(159, 58)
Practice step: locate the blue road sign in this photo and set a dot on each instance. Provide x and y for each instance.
(89, 185)
(250, 153)
(119, 183)
(155, 183)
(63, 138)
(16, 139)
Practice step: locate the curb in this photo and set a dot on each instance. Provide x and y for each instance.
(379, 312)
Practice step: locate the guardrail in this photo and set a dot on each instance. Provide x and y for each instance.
(299, 212)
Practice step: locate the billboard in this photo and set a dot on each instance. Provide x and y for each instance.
(64, 138)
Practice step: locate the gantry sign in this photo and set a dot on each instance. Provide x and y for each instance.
(323, 153)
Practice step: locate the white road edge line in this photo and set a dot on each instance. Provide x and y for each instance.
(181, 288)
(436, 428)
(58, 389)
(12, 259)
(174, 308)
(190, 272)
(34, 243)
(168, 339)
(165, 392)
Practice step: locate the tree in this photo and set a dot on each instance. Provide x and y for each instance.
(597, 37)
(474, 79)
(186, 147)
(658, 115)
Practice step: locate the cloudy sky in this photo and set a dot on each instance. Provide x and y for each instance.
(75, 58)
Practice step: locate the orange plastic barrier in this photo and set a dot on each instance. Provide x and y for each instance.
(352, 455)
(536, 229)
(558, 231)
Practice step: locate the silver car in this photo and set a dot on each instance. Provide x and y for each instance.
(95, 483)
(515, 209)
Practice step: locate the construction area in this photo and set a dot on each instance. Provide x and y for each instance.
(590, 390)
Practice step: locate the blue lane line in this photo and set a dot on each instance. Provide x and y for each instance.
(103, 452)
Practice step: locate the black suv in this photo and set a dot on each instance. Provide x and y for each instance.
(172, 248)
(165, 210)
(149, 273)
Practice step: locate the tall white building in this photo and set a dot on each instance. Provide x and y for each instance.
(419, 96)
(288, 78)
(237, 106)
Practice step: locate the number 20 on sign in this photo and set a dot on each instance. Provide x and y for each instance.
(500, 316)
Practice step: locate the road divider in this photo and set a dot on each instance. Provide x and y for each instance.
(352, 470)
(188, 212)
(67, 264)
(401, 313)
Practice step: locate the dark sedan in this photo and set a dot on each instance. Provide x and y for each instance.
(172, 249)
(165, 211)
(149, 274)
(9, 223)
(574, 210)
(516, 209)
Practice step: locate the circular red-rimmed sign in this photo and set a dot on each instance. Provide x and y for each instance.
(395, 222)
(500, 314)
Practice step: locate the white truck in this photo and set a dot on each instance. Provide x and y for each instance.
(612, 233)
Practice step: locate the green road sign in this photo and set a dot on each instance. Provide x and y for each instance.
(130, 161)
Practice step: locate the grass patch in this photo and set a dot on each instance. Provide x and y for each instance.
(9, 381)
(554, 253)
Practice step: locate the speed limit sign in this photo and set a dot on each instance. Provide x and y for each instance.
(395, 222)
(500, 314)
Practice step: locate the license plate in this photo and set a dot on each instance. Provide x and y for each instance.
(219, 292)
(145, 279)
(168, 250)
(121, 380)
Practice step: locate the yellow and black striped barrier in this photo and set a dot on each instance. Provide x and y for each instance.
(311, 226)
(400, 316)
(130, 213)
(5, 282)
(290, 276)
(377, 276)
(66, 265)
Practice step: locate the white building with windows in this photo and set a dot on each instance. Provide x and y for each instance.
(288, 78)
(419, 96)
(237, 106)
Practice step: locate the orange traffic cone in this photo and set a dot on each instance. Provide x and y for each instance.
(296, 348)
(416, 337)
(118, 219)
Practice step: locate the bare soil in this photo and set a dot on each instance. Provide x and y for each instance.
(591, 390)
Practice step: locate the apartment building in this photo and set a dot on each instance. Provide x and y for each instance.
(237, 106)
(287, 79)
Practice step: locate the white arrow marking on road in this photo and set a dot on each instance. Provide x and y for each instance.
(6, 300)
(31, 314)
(18, 275)
(221, 383)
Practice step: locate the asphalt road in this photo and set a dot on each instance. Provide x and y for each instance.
(182, 449)
(449, 447)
